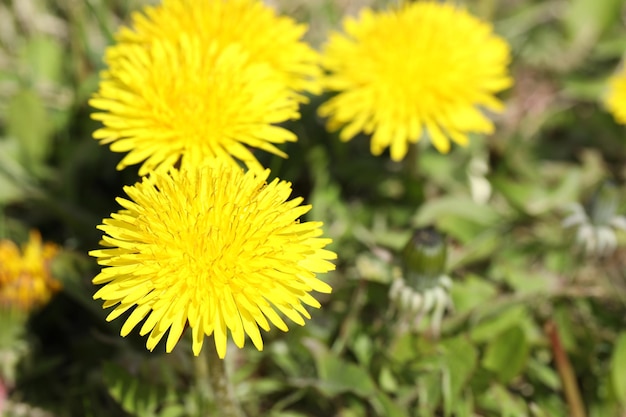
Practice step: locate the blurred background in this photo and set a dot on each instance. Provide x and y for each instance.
(538, 324)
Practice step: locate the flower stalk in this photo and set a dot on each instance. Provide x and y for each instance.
(566, 372)
(223, 391)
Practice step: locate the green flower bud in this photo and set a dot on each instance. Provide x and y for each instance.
(424, 258)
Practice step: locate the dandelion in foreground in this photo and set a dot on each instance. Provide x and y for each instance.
(426, 67)
(25, 278)
(597, 221)
(615, 100)
(196, 80)
(213, 248)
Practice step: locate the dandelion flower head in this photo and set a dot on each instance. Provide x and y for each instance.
(199, 80)
(25, 278)
(616, 97)
(425, 67)
(213, 248)
(268, 37)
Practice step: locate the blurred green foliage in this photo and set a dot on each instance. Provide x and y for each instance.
(515, 268)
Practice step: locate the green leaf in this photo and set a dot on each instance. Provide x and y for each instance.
(473, 291)
(506, 354)
(553, 405)
(460, 357)
(534, 198)
(592, 16)
(464, 408)
(10, 191)
(29, 123)
(363, 348)
(523, 279)
(45, 57)
(267, 385)
(387, 380)
(584, 88)
(499, 320)
(502, 402)
(287, 414)
(174, 410)
(338, 376)
(545, 374)
(479, 246)
(286, 360)
(13, 344)
(15, 182)
(134, 396)
(386, 407)
(459, 217)
(405, 348)
(463, 207)
(618, 368)
(373, 268)
(429, 389)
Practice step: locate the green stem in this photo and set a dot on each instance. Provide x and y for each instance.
(348, 325)
(223, 392)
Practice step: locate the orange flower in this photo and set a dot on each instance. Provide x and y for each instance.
(25, 278)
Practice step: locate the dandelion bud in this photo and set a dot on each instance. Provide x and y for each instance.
(423, 288)
(597, 222)
(424, 257)
(603, 206)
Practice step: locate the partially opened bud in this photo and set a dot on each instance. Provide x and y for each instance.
(424, 258)
(603, 205)
(597, 221)
(423, 288)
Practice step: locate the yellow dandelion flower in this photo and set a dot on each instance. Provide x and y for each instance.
(181, 100)
(615, 101)
(25, 278)
(212, 248)
(426, 67)
(267, 37)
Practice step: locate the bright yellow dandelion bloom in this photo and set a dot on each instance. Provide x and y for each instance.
(25, 278)
(213, 248)
(203, 79)
(267, 37)
(426, 67)
(615, 101)
(187, 100)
